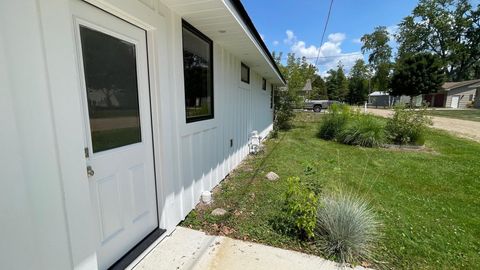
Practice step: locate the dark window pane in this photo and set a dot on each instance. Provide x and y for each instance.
(264, 84)
(245, 76)
(271, 96)
(111, 80)
(197, 65)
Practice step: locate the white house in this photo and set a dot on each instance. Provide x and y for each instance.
(116, 115)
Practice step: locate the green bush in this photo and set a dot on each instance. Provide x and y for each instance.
(300, 209)
(334, 122)
(408, 126)
(284, 104)
(363, 129)
(346, 228)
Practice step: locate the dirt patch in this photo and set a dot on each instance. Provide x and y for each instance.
(410, 148)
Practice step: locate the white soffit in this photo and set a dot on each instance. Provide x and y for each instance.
(212, 18)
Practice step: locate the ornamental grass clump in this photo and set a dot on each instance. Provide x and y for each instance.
(334, 122)
(346, 228)
(364, 130)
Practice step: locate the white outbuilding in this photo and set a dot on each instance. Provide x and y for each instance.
(116, 116)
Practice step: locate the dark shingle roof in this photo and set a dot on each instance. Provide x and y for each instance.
(452, 85)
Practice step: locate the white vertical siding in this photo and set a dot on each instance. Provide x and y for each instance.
(206, 156)
(48, 222)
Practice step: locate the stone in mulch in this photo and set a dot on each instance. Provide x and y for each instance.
(272, 176)
(219, 212)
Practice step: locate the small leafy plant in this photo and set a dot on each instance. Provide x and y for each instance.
(300, 208)
(346, 228)
(408, 126)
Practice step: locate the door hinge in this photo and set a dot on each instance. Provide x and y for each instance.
(87, 155)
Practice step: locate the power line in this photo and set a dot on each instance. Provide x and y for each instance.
(330, 56)
(324, 31)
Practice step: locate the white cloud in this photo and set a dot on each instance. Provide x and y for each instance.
(336, 37)
(392, 30)
(275, 43)
(291, 38)
(357, 41)
(330, 53)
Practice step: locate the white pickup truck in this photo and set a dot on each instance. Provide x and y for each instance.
(317, 105)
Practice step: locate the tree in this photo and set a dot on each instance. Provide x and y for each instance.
(380, 53)
(296, 72)
(337, 84)
(319, 89)
(450, 30)
(417, 74)
(358, 83)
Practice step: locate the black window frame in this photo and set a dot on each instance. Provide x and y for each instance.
(202, 36)
(264, 84)
(248, 73)
(272, 92)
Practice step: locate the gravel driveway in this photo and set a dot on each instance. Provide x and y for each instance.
(461, 128)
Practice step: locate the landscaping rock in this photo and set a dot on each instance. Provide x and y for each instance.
(272, 176)
(219, 212)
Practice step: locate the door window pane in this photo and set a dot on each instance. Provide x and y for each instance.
(112, 92)
(198, 74)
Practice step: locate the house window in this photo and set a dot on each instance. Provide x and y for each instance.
(271, 96)
(245, 73)
(198, 74)
(264, 84)
(470, 97)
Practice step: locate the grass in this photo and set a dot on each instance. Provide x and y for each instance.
(428, 202)
(470, 114)
(109, 139)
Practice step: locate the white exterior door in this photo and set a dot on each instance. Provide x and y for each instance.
(112, 56)
(455, 100)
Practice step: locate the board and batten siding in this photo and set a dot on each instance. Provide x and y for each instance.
(463, 94)
(206, 155)
(46, 214)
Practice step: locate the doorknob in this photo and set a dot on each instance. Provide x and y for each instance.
(90, 171)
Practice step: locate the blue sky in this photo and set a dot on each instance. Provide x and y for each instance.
(297, 25)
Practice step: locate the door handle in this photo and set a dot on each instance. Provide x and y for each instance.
(90, 171)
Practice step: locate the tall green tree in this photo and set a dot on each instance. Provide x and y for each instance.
(417, 74)
(319, 88)
(380, 54)
(450, 30)
(337, 84)
(358, 83)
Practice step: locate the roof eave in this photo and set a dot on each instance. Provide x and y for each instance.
(240, 9)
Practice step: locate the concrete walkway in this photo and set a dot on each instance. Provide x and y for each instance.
(462, 128)
(194, 250)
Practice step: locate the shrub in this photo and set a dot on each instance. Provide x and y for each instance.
(334, 122)
(364, 130)
(346, 228)
(300, 209)
(284, 104)
(408, 126)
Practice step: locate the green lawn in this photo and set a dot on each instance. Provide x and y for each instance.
(428, 202)
(471, 114)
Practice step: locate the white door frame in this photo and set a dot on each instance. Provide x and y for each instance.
(62, 72)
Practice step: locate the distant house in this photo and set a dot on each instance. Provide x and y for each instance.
(455, 95)
(384, 99)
